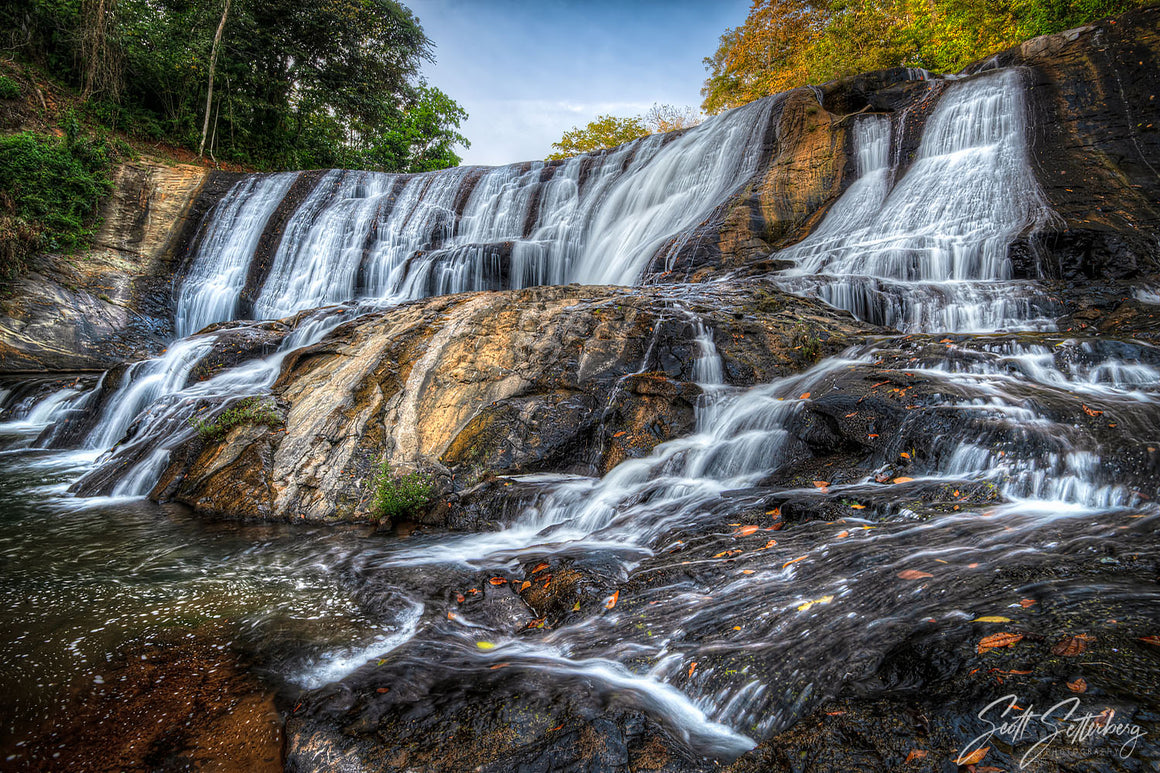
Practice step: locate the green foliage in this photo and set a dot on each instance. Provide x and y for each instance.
(608, 131)
(49, 191)
(401, 496)
(251, 410)
(787, 43)
(297, 83)
(9, 89)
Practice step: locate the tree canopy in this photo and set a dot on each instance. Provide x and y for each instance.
(608, 131)
(787, 43)
(297, 83)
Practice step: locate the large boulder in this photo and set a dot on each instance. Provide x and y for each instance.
(571, 379)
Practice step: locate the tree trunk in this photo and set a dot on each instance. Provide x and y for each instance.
(217, 39)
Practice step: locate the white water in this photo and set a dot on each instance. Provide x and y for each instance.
(928, 253)
(931, 253)
(217, 275)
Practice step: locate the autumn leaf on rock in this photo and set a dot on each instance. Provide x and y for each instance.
(1070, 646)
(805, 396)
(612, 600)
(808, 604)
(1091, 411)
(974, 757)
(1079, 684)
(1154, 640)
(821, 484)
(525, 585)
(745, 531)
(913, 574)
(997, 640)
(902, 479)
(497, 581)
(692, 668)
(1025, 603)
(794, 561)
(916, 754)
(991, 619)
(539, 568)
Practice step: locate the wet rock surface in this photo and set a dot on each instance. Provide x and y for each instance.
(571, 379)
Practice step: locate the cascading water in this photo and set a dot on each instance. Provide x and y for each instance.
(217, 276)
(931, 253)
(729, 644)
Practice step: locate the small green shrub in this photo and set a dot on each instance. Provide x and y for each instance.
(251, 410)
(401, 496)
(9, 89)
(806, 343)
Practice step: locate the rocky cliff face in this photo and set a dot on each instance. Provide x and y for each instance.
(111, 304)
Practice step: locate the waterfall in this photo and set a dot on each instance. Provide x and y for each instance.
(931, 253)
(217, 276)
(593, 219)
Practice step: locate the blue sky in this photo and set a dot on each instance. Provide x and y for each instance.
(528, 70)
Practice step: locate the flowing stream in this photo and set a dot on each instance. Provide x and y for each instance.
(721, 651)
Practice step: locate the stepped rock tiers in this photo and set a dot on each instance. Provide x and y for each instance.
(789, 441)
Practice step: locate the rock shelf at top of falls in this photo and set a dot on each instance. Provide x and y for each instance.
(744, 438)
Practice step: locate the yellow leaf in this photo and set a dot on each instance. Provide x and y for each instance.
(991, 619)
(485, 645)
(808, 604)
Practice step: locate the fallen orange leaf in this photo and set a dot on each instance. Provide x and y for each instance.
(820, 483)
(497, 581)
(857, 506)
(916, 754)
(1070, 646)
(1151, 640)
(842, 535)
(539, 568)
(1027, 603)
(612, 600)
(805, 396)
(997, 640)
(525, 585)
(1079, 684)
(1091, 411)
(794, 561)
(904, 455)
(769, 544)
(692, 668)
(974, 757)
(745, 531)
(498, 666)
(902, 479)
(913, 574)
